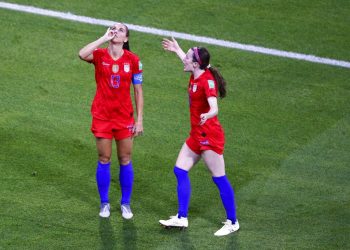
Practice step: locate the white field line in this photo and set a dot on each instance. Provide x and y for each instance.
(166, 33)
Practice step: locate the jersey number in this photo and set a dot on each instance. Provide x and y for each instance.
(115, 81)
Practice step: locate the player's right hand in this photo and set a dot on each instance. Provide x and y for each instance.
(109, 34)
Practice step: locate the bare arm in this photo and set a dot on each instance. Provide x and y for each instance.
(173, 46)
(213, 111)
(138, 130)
(86, 52)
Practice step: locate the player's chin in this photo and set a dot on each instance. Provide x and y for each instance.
(116, 40)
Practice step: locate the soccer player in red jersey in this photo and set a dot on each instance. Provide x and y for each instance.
(206, 139)
(116, 67)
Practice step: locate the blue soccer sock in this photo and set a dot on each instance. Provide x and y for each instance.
(183, 191)
(103, 180)
(227, 196)
(126, 180)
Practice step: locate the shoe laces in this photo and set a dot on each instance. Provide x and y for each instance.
(228, 223)
(126, 209)
(104, 207)
(177, 221)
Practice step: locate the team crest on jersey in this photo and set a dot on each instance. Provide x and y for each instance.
(194, 88)
(211, 84)
(126, 67)
(115, 68)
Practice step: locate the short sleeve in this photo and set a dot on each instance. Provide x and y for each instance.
(97, 54)
(210, 88)
(137, 71)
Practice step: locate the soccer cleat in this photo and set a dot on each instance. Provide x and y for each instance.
(126, 211)
(227, 228)
(174, 221)
(104, 210)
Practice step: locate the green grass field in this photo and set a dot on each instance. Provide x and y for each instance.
(287, 125)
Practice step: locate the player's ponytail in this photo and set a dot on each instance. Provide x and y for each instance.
(126, 46)
(220, 80)
(202, 56)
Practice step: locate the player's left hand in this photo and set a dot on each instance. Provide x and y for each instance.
(204, 118)
(138, 129)
(170, 45)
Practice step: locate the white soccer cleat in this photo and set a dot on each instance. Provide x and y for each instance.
(227, 228)
(105, 210)
(174, 221)
(126, 211)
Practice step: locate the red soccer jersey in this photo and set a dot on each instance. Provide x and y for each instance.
(113, 79)
(199, 91)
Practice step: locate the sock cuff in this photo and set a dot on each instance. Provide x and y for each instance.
(126, 165)
(219, 179)
(178, 170)
(100, 164)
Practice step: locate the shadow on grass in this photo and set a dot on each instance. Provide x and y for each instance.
(107, 234)
(128, 239)
(179, 236)
(233, 242)
(129, 234)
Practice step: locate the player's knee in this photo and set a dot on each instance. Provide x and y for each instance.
(217, 172)
(104, 159)
(124, 159)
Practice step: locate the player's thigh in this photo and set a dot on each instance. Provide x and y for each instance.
(187, 158)
(104, 149)
(215, 162)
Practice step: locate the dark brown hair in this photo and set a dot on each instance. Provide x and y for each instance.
(202, 57)
(126, 44)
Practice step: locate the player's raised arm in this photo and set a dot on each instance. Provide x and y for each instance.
(86, 52)
(173, 46)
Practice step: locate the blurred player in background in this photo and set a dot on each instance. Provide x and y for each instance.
(206, 139)
(112, 110)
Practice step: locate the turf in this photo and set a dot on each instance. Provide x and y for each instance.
(310, 27)
(287, 127)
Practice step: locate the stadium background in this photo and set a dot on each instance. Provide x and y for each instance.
(287, 126)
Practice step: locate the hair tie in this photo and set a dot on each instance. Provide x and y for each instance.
(196, 55)
(208, 66)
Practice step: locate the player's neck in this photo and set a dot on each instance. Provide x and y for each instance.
(197, 73)
(115, 51)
